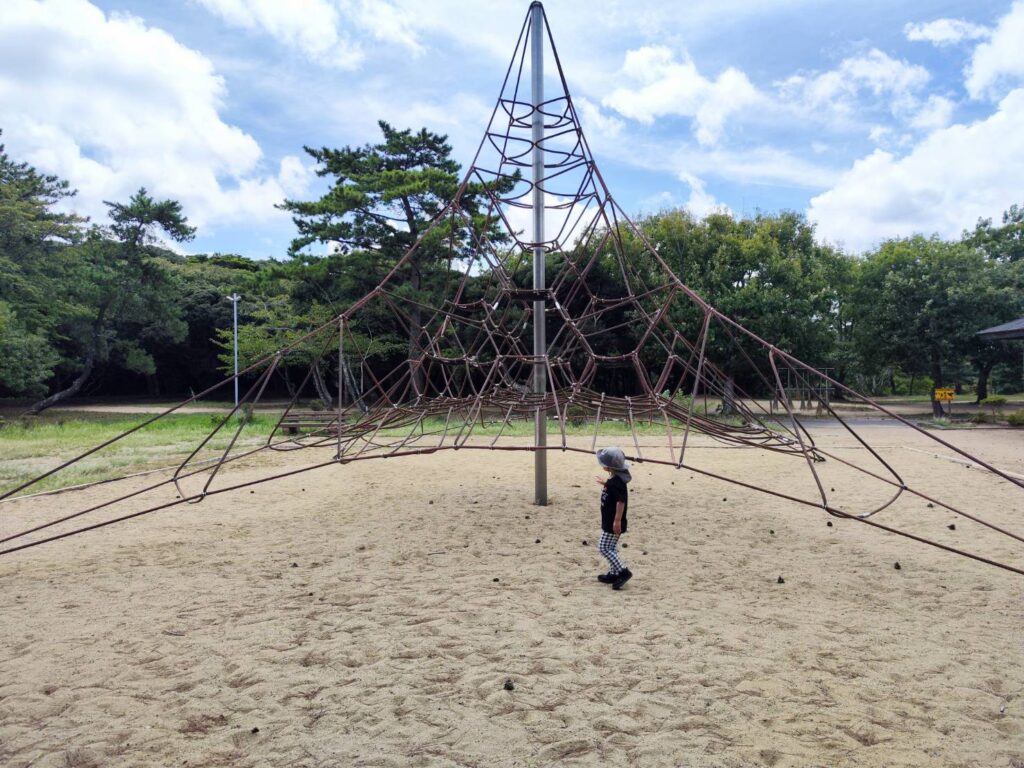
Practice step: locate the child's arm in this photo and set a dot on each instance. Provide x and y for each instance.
(620, 508)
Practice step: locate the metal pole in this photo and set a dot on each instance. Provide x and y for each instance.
(341, 378)
(540, 346)
(234, 298)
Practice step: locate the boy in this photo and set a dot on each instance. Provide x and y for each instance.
(614, 504)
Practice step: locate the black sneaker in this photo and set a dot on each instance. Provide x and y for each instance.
(607, 578)
(624, 575)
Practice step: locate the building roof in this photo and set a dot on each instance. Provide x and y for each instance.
(1011, 330)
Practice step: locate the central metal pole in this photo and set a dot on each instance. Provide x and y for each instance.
(540, 344)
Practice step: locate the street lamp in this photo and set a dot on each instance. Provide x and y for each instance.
(234, 299)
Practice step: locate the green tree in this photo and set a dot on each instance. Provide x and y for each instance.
(769, 274)
(382, 199)
(1004, 247)
(919, 303)
(1002, 243)
(118, 296)
(32, 235)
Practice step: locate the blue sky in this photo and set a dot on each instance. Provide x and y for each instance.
(876, 119)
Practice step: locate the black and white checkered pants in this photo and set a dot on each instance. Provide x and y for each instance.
(608, 547)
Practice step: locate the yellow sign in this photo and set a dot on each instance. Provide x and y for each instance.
(945, 393)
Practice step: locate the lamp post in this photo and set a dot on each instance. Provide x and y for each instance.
(234, 299)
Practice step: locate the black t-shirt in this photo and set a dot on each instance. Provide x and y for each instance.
(614, 491)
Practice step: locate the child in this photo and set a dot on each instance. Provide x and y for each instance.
(614, 504)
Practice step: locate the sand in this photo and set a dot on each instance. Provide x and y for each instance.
(370, 615)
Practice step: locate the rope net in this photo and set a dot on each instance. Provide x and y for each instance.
(629, 345)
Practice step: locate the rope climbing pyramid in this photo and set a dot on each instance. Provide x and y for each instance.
(533, 298)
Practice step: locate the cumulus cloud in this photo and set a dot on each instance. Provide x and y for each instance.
(663, 86)
(596, 123)
(322, 30)
(701, 202)
(949, 180)
(565, 224)
(935, 113)
(1000, 61)
(112, 105)
(944, 31)
(841, 90)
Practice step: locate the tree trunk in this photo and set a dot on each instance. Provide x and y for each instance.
(71, 391)
(983, 374)
(729, 396)
(415, 331)
(288, 383)
(321, 387)
(354, 391)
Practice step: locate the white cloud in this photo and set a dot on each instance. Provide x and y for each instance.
(701, 202)
(322, 30)
(312, 26)
(1001, 59)
(665, 86)
(936, 113)
(944, 31)
(388, 24)
(757, 165)
(112, 105)
(949, 180)
(841, 90)
(563, 224)
(294, 176)
(596, 124)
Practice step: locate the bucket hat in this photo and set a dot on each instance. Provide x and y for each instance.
(614, 459)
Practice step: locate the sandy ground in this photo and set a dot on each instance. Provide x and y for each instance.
(369, 615)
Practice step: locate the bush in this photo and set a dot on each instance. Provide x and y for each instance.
(576, 415)
(995, 401)
(1016, 419)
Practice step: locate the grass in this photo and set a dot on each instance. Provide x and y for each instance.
(30, 447)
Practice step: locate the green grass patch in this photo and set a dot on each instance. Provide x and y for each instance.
(30, 447)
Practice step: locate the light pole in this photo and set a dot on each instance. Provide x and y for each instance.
(234, 299)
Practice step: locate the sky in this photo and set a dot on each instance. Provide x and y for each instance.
(876, 119)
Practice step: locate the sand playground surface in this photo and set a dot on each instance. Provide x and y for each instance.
(371, 614)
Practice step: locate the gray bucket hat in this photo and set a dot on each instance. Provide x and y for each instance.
(614, 459)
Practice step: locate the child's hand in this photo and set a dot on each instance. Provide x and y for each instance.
(600, 480)
(617, 527)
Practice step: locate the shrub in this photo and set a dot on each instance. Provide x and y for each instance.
(995, 401)
(1016, 419)
(576, 415)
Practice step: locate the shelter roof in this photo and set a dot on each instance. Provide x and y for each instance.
(1011, 330)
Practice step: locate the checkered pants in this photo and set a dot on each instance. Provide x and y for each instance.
(607, 546)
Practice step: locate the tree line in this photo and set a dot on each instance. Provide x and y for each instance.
(107, 308)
